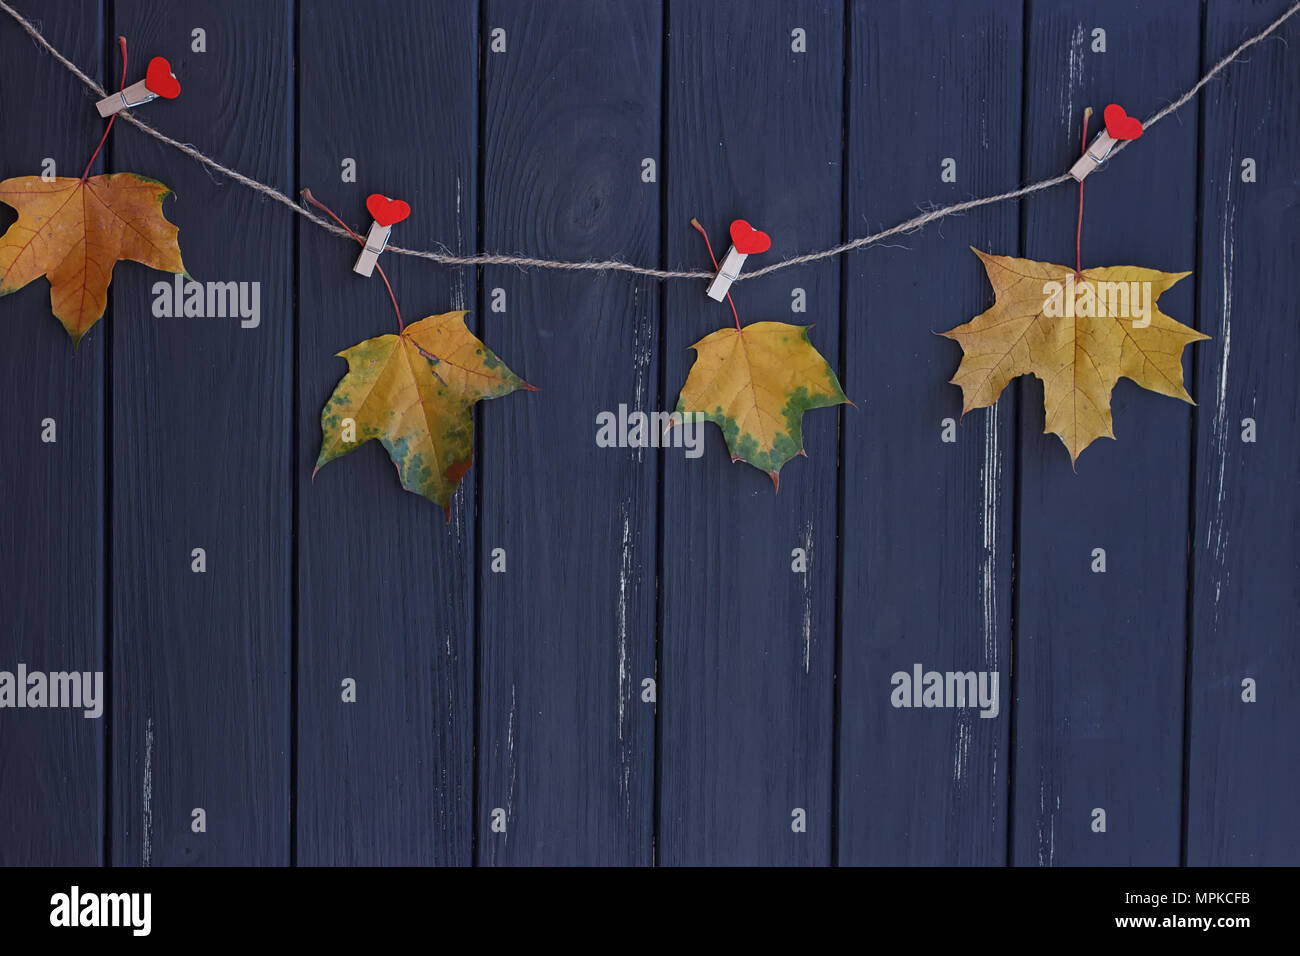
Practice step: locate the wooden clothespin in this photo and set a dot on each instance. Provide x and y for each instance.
(1119, 125)
(745, 239)
(158, 81)
(386, 212)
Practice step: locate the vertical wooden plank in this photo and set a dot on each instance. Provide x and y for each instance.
(200, 440)
(567, 743)
(1099, 656)
(51, 493)
(1244, 768)
(754, 130)
(385, 582)
(927, 504)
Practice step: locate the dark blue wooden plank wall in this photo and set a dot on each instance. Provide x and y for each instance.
(617, 655)
(200, 477)
(566, 745)
(1244, 768)
(927, 504)
(52, 561)
(753, 130)
(1100, 654)
(385, 584)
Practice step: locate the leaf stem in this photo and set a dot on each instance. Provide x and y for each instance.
(306, 194)
(1078, 232)
(708, 245)
(121, 42)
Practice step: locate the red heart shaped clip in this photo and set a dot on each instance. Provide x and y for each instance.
(160, 80)
(1119, 124)
(747, 239)
(386, 211)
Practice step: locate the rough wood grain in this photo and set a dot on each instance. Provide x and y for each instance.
(567, 632)
(1099, 657)
(385, 584)
(201, 426)
(754, 131)
(927, 523)
(226, 686)
(1244, 768)
(51, 494)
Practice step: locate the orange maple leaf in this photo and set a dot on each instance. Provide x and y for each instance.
(73, 231)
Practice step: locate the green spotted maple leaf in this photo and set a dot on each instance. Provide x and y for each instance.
(415, 392)
(755, 383)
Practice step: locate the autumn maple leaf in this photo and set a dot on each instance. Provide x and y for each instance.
(415, 392)
(1079, 334)
(755, 383)
(73, 231)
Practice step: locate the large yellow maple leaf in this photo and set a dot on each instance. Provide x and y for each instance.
(74, 231)
(1079, 334)
(755, 383)
(415, 392)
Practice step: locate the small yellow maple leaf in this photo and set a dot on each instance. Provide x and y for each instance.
(755, 384)
(74, 231)
(415, 393)
(1078, 334)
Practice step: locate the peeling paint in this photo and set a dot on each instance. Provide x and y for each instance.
(642, 353)
(807, 596)
(624, 690)
(146, 801)
(1216, 534)
(1074, 78)
(991, 494)
(991, 487)
(459, 293)
(960, 755)
(510, 761)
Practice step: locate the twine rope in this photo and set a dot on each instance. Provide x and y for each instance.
(614, 265)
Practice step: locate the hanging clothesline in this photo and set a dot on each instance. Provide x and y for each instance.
(613, 265)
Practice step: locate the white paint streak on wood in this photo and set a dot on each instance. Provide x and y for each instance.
(1074, 80)
(458, 533)
(1042, 813)
(991, 489)
(1051, 847)
(624, 689)
(510, 723)
(962, 749)
(146, 802)
(807, 596)
(991, 492)
(1046, 826)
(1223, 428)
(511, 763)
(642, 353)
(459, 294)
